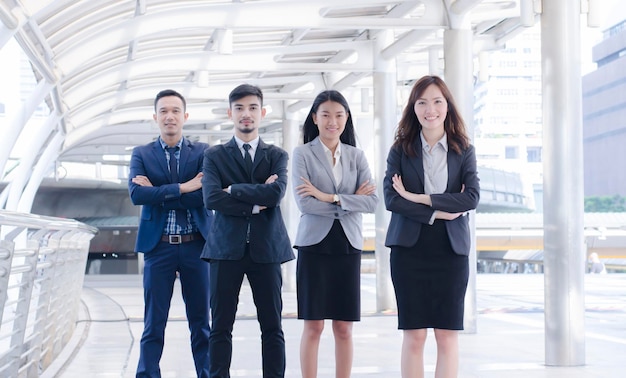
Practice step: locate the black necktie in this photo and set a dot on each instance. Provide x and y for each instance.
(247, 157)
(181, 214)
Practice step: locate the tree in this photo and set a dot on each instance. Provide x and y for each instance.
(605, 204)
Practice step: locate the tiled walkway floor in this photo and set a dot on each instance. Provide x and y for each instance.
(509, 341)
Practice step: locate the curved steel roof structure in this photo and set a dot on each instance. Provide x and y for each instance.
(99, 64)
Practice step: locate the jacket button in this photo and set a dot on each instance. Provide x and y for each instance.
(336, 214)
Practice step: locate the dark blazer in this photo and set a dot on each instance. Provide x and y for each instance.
(150, 161)
(408, 217)
(234, 222)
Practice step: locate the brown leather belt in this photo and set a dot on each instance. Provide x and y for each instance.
(179, 239)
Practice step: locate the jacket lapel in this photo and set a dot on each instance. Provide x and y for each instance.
(235, 153)
(418, 164)
(454, 165)
(159, 157)
(184, 157)
(319, 153)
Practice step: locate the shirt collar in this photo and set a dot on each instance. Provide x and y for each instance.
(329, 152)
(164, 145)
(254, 143)
(443, 142)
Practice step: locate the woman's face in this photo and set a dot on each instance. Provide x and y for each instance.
(330, 118)
(431, 108)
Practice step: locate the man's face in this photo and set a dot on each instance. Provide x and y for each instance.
(246, 114)
(170, 116)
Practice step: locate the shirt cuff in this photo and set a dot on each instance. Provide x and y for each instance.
(432, 218)
(255, 209)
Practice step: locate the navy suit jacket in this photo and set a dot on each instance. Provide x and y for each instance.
(408, 217)
(150, 161)
(234, 222)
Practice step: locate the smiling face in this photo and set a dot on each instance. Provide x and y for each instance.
(431, 109)
(330, 118)
(170, 116)
(246, 113)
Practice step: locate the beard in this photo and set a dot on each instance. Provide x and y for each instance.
(246, 130)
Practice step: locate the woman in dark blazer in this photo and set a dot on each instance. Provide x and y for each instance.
(430, 185)
(333, 186)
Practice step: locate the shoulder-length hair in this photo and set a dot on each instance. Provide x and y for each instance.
(310, 130)
(409, 126)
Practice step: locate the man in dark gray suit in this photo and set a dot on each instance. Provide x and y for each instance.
(244, 181)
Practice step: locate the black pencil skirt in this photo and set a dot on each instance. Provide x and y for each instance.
(430, 281)
(328, 278)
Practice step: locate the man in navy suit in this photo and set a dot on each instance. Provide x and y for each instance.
(244, 181)
(166, 179)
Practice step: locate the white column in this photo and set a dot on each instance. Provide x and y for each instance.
(458, 72)
(291, 214)
(564, 251)
(385, 124)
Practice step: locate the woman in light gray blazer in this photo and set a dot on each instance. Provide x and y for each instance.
(332, 186)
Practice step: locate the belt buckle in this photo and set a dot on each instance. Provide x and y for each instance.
(175, 239)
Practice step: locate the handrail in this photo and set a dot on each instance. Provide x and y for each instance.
(42, 268)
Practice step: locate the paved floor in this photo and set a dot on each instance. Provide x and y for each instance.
(509, 341)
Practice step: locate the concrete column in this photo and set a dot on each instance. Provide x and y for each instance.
(458, 72)
(291, 214)
(564, 251)
(385, 124)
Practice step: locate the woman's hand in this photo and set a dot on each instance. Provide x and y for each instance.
(308, 189)
(398, 185)
(447, 216)
(366, 189)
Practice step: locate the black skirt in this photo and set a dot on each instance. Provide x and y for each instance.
(430, 281)
(328, 277)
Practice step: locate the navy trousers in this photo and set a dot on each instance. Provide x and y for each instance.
(160, 268)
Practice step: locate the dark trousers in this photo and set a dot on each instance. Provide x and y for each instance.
(161, 265)
(265, 281)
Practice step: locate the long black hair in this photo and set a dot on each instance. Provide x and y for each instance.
(310, 130)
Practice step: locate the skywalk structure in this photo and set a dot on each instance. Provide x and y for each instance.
(98, 65)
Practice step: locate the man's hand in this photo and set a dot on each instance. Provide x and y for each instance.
(141, 180)
(271, 179)
(192, 185)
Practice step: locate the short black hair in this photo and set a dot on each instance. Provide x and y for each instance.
(167, 93)
(245, 90)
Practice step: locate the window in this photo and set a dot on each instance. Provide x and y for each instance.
(533, 154)
(511, 152)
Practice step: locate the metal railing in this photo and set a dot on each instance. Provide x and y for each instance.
(42, 266)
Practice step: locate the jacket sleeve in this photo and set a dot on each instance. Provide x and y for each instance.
(309, 204)
(268, 195)
(358, 202)
(461, 201)
(393, 201)
(148, 195)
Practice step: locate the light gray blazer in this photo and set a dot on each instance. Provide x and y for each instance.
(317, 217)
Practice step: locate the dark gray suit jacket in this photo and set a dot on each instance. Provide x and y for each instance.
(310, 162)
(408, 217)
(234, 222)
